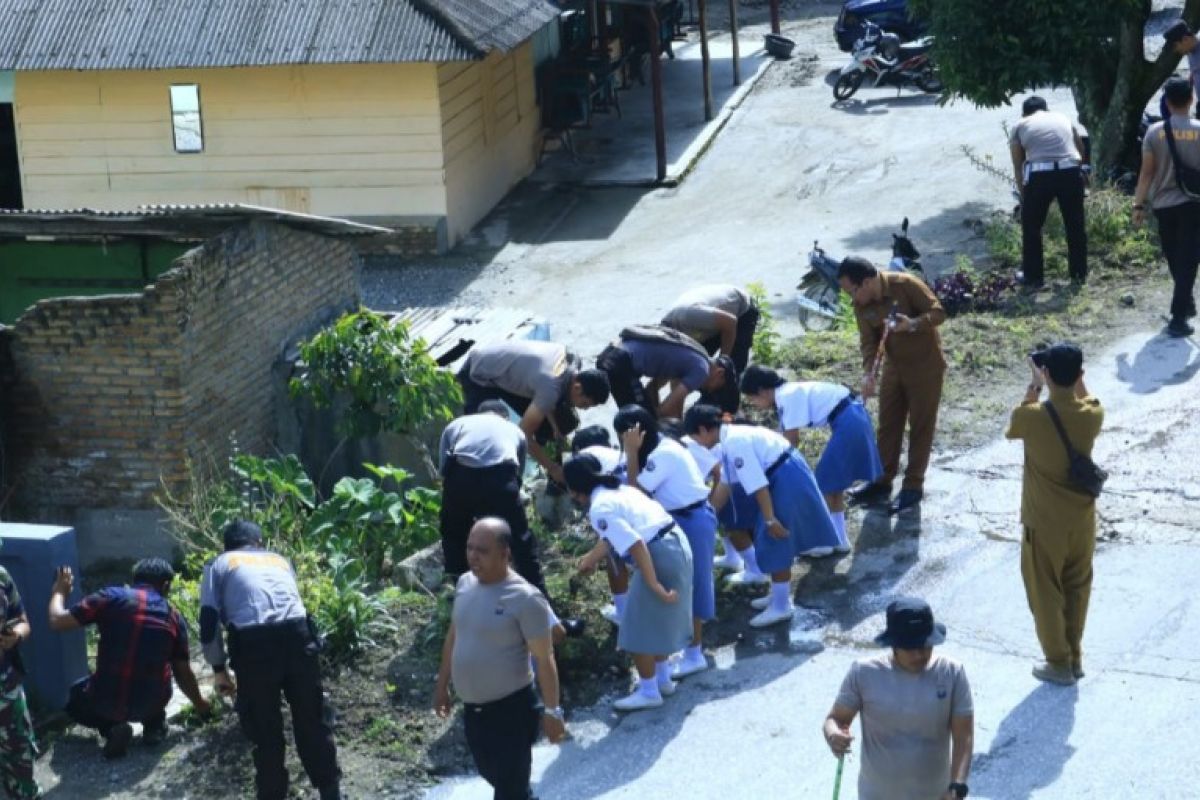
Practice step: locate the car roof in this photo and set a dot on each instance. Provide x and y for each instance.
(868, 6)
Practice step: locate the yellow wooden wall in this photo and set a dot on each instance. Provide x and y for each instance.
(345, 140)
(490, 132)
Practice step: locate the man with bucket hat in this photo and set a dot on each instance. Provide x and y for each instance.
(918, 719)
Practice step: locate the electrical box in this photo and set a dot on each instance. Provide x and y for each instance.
(53, 661)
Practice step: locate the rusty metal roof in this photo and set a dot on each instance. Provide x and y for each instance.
(184, 222)
(164, 34)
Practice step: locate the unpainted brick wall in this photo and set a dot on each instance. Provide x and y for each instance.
(105, 397)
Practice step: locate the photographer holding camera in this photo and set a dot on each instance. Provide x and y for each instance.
(1058, 505)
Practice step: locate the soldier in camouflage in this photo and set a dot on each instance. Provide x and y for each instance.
(17, 748)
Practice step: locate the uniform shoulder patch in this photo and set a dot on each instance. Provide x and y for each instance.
(602, 524)
(650, 465)
(739, 462)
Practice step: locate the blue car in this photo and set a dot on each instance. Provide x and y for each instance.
(891, 15)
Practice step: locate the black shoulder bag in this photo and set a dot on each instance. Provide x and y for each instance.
(1186, 178)
(1085, 477)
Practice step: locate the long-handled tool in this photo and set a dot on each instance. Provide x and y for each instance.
(877, 367)
(837, 781)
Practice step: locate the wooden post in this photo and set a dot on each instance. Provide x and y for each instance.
(660, 123)
(733, 31)
(706, 61)
(775, 17)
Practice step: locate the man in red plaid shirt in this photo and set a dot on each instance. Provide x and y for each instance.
(143, 642)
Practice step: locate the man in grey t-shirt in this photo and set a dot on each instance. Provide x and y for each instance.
(499, 621)
(719, 316)
(917, 713)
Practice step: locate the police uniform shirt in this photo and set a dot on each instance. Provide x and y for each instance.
(676, 362)
(624, 516)
(526, 368)
(612, 460)
(748, 452)
(1046, 136)
(482, 440)
(672, 477)
(246, 587)
(807, 404)
(692, 312)
(1164, 188)
(706, 458)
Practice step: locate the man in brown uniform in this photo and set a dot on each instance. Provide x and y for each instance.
(897, 317)
(1059, 520)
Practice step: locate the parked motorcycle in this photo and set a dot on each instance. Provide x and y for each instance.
(887, 60)
(818, 298)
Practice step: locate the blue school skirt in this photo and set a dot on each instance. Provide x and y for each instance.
(851, 454)
(699, 525)
(740, 512)
(801, 509)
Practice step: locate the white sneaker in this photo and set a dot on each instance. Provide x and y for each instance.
(733, 563)
(637, 701)
(817, 552)
(666, 688)
(746, 578)
(772, 617)
(683, 667)
(609, 612)
(761, 603)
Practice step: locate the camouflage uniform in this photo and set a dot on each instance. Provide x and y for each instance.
(17, 748)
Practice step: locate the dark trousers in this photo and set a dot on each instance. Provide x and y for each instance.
(1043, 188)
(81, 707)
(747, 324)
(471, 493)
(624, 382)
(1179, 231)
(275, 660)
(501, 736)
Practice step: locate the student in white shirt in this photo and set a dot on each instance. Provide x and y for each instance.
(658, 616)
(793, 518)
(663, 468)
(594, 440)
(849, 456)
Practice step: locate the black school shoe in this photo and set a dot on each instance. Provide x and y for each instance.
(116, 744)
(869, 494)
(153, 734)
(1178, 328)
(907, 498)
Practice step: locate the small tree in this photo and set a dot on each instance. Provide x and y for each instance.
(987, 51)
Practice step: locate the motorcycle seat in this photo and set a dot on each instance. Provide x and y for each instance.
(910, 49)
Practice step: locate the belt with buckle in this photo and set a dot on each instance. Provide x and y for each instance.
(1052, 166)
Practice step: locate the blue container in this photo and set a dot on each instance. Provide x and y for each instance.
(53, 661)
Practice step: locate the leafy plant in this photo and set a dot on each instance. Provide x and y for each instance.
(766, 336)
(965, 290)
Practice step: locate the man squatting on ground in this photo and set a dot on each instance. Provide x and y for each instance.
(1059, 521)
(499, 622)
(143, 644)
(721, 317)
(252, 593)
(897, 318)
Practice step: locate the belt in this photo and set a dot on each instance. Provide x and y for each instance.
(689, 509)
(778, 463)
(1052, 166)
(841, 406)
(661, 533)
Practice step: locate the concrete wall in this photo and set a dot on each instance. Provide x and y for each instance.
(104, 399)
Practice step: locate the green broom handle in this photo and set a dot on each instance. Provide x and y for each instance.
(837, 781)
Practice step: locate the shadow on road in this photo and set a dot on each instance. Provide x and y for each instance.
(1162, 361)
(1031, 746)
(877, 106)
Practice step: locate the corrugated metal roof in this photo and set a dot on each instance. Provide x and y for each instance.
(450, 333)
(164, 34)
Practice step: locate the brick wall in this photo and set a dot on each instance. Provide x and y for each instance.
(103, 398)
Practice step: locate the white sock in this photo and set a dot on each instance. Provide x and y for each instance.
(730, 550)
(781, 595)
(662, 671)
(619, 600)
(749, 560)
(648, 687)
(693, 652)
(839, 524)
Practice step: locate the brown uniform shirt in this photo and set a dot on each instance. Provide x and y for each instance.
(912, 298)
(1048, 501)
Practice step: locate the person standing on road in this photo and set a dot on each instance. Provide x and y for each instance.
(1047, 161)
(1059, 521)
(542, 382)
(17, 746)
(721, 317)
(143, 644)
(657, 622)
(918, 718)
(666, 358)
(663, 468)
(849, 456)
(898, 317)
(1182, 39)
(1178, 214)
(273, 649)
(499, 622)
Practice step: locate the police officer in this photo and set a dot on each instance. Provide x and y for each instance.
(1182, 39)
(1046, 155)
(665, 357)
(541, 381)
(721, 317)
(272, 648)
(897, 320)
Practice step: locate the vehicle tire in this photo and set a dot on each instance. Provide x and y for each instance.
(847, 85)
(825, 296)
(929, 82)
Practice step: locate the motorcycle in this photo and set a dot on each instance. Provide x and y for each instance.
(819, 296)
(887, 60)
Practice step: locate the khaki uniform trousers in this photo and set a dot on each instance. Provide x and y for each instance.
(908, 393)
(1057, 568)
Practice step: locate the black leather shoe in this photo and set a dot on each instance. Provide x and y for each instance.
(906, 499)
(116, 744)
(869, 494)
(573, 627)
(1179, 328)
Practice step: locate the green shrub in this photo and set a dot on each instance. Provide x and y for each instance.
(765, 347)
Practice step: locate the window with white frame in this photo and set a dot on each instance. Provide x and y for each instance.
(185, 118)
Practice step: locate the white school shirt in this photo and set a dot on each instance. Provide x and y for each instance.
(807, 404)
(704, 457)
(611, 460)
(749, 451)
(624, 516)
(672, 477)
